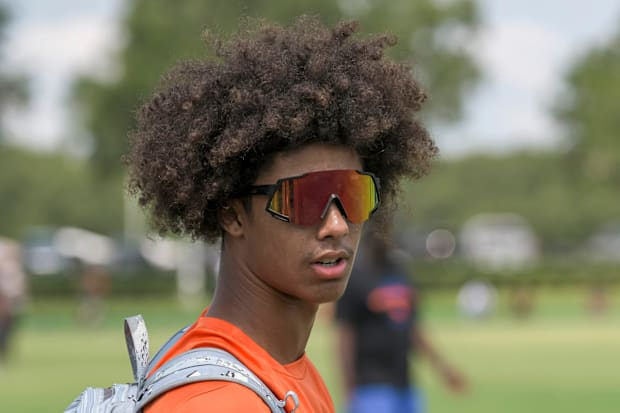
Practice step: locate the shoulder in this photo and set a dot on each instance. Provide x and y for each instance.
(219, 396)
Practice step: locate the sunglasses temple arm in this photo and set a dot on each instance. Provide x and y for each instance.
(262, 190)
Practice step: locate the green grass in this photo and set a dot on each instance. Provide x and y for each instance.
(558, 360)
(534, 367)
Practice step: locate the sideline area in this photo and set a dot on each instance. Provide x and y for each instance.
(560, 358)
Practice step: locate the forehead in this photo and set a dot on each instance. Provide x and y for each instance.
(309, 158)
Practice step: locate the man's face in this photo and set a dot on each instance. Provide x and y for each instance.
(308, 263)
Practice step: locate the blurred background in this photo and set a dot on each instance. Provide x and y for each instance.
(514, 238)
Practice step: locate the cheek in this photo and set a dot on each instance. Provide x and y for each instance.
(285, 243)
(274, 242)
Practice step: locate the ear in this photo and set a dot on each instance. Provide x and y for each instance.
(231, 217)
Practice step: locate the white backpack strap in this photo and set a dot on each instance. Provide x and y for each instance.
(137, 340)
(204, 364)
(118, 398)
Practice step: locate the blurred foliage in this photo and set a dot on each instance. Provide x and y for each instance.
(454, 272)
(13, 87)
(159, 33)
(144, 282)
(590, 113)
(43, 189)
(564, 195)
(534, 185)
(427, 273)
(54, 189)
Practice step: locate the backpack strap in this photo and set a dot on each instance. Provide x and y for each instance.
(137, 340)
(116, 398)
(204, 364)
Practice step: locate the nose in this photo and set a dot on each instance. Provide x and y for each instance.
(334, 224)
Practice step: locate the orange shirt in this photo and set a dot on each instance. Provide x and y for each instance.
(218, 396)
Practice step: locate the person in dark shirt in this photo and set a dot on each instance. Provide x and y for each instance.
(379, 332)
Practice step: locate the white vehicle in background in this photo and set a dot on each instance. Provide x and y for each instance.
(604, 244)
(499, 242)
(52, 251)
(41, 257)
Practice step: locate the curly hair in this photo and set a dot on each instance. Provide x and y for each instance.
(212, 124)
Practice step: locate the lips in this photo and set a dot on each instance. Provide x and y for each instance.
(331, 265)
(331, 256)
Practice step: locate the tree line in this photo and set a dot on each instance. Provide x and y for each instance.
(564, 194)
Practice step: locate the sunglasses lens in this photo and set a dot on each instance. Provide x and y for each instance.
(361, 199)
(303, 200)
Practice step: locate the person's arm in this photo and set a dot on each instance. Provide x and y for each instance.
(346, 353)
(452, 377)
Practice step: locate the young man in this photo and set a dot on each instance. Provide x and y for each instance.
(282, 146)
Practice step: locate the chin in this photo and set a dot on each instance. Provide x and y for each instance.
(330, 295)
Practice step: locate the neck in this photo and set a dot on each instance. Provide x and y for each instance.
(277, 322)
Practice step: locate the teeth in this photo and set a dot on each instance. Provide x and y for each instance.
(329, 263)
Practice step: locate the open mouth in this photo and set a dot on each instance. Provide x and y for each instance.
(330, 263)
(330, 268)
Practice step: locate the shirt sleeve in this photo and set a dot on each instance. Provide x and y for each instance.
(214, 396)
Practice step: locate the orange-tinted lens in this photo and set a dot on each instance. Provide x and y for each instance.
(304, 200)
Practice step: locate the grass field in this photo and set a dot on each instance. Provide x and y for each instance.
(559, 360)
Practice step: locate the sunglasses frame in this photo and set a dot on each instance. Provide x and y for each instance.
(270, 190)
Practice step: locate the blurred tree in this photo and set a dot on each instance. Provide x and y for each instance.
(533, 185)
(44, 189)
(47, 189)
(432, 34)
(590, 113)
(564, 195)
(13, 88)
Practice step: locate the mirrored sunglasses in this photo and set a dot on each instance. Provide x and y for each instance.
(305, 199)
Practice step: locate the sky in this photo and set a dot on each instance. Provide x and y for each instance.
(523, 48)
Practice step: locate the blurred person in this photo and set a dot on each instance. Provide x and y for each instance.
(12, 292)
(95, 282)
(522, 301)
(378, 333)
(276, 148)
(597, 300)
